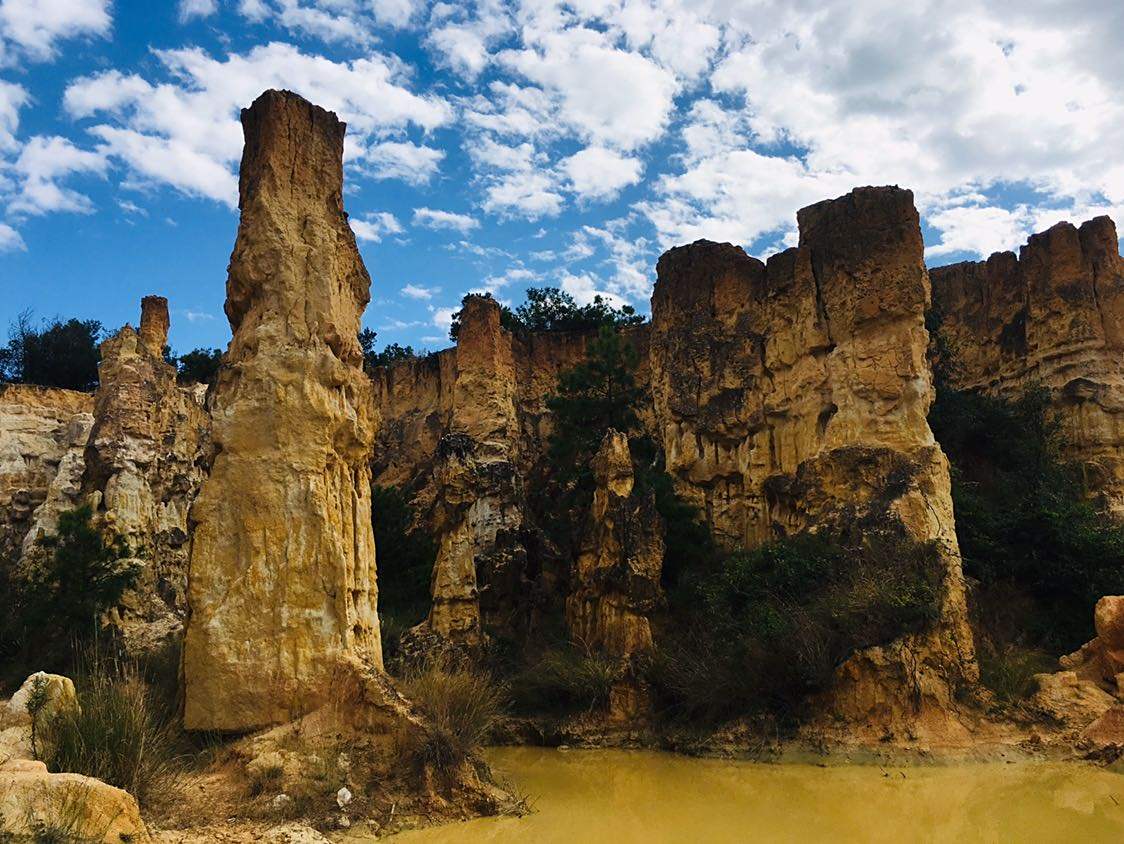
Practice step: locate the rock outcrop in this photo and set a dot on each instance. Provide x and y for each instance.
(143, 468)
(1052, 317)
(617, 573)
(792, 395)
(282, 573)
(43, 434)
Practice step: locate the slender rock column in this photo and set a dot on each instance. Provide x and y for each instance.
(282, 576)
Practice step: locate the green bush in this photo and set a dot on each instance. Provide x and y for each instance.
(59, 354)
(120, 735)
(1027, 530)
(462, 706)
(552, 309)
(563, 680)
(405, 558)
(1009, 670)
(55, 601)
(765, 628)
(390, 354)
(199, 366)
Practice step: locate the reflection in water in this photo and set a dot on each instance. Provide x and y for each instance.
(622, 796)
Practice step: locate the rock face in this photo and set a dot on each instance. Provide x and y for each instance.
(1101, 661)
(617, 575)
(793, 395)
(282, 574)
(787, 395)
(143, 468)
(43, 433)
(1052, 317)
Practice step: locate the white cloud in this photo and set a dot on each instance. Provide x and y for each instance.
(375, 226)
(33, 27)
(443, 318)
(10, 240)
(979, 230)
(185, 132)
(190, 9)
(198, 316)
(584, 289)
(599, 173)
(410, 162)
(415, 291)
(12, 98)
(433, 218)
(42, 163)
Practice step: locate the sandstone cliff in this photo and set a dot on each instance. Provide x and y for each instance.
(1052, 317)
(282, 575)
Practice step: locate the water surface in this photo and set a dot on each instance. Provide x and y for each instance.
(618, 796)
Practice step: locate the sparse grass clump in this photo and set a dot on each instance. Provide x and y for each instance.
(462, 704)
(121, 735)
(564, 680)
(1009, 671)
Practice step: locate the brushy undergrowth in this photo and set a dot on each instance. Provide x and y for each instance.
(766, 628)
(563, 680)
(462, 705)
(121, 736)
(1009, 670)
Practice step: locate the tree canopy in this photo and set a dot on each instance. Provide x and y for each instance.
(57, 354)
(552, 309)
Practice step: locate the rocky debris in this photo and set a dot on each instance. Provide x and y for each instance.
(65, 807)
(143, 465)
(41, 699)
(43, 432)
(1101, 660)
(1052, 317)
(617, 577)
(282, 576)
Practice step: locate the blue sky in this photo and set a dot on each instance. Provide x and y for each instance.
(495, 145)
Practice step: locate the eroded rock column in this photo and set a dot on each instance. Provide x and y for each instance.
(282, 577)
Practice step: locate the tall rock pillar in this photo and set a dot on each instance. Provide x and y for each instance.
(282, 576)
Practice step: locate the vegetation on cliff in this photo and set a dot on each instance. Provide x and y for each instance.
(54, 599)
(1038, 551)
(405, 560)
(56, 354)
(552, 309)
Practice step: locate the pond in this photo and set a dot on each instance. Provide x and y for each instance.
(619, 796)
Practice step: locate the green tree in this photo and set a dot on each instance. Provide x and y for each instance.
(598, 394)
(58, 354)
(390, 354)
(199, 366)
(1029, 534)
(405, 556)
(551, 309)
(508, 319)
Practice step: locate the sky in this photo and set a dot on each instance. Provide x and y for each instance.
(497, 145)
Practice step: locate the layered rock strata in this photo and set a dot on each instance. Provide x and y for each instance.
(282, 574)
(616, 584)
(1051, 317)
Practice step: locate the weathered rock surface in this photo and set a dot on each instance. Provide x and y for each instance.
(40, 806)
(1052, 317)
(617, 576)
(143, 467)
(1101, 661)
(794, 394)
(43, 433)
(54, 697)
(282, 574)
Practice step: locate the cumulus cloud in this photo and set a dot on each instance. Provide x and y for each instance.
(416, 291)
(405, 160)
(375, 226)
(33, 28)
(185, 132)
(599, 173)
(42, 164)
(433, 218)
(10, 240)
(197, 9)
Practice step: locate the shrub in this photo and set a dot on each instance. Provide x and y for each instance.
(56, 600)
(1028, 532)
(1009, 670)
(462, 705)
(59, 354)
(391, 353)
(120, 735)
(405, 556)
(564, 679)
(552, 309)
(765, 628)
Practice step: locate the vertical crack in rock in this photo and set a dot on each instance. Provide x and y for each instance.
(282, 582)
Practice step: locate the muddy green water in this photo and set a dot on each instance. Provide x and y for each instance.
(624, 796)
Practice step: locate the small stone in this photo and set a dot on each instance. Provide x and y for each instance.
(343, 797)
(344, 822)
(281, 801)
